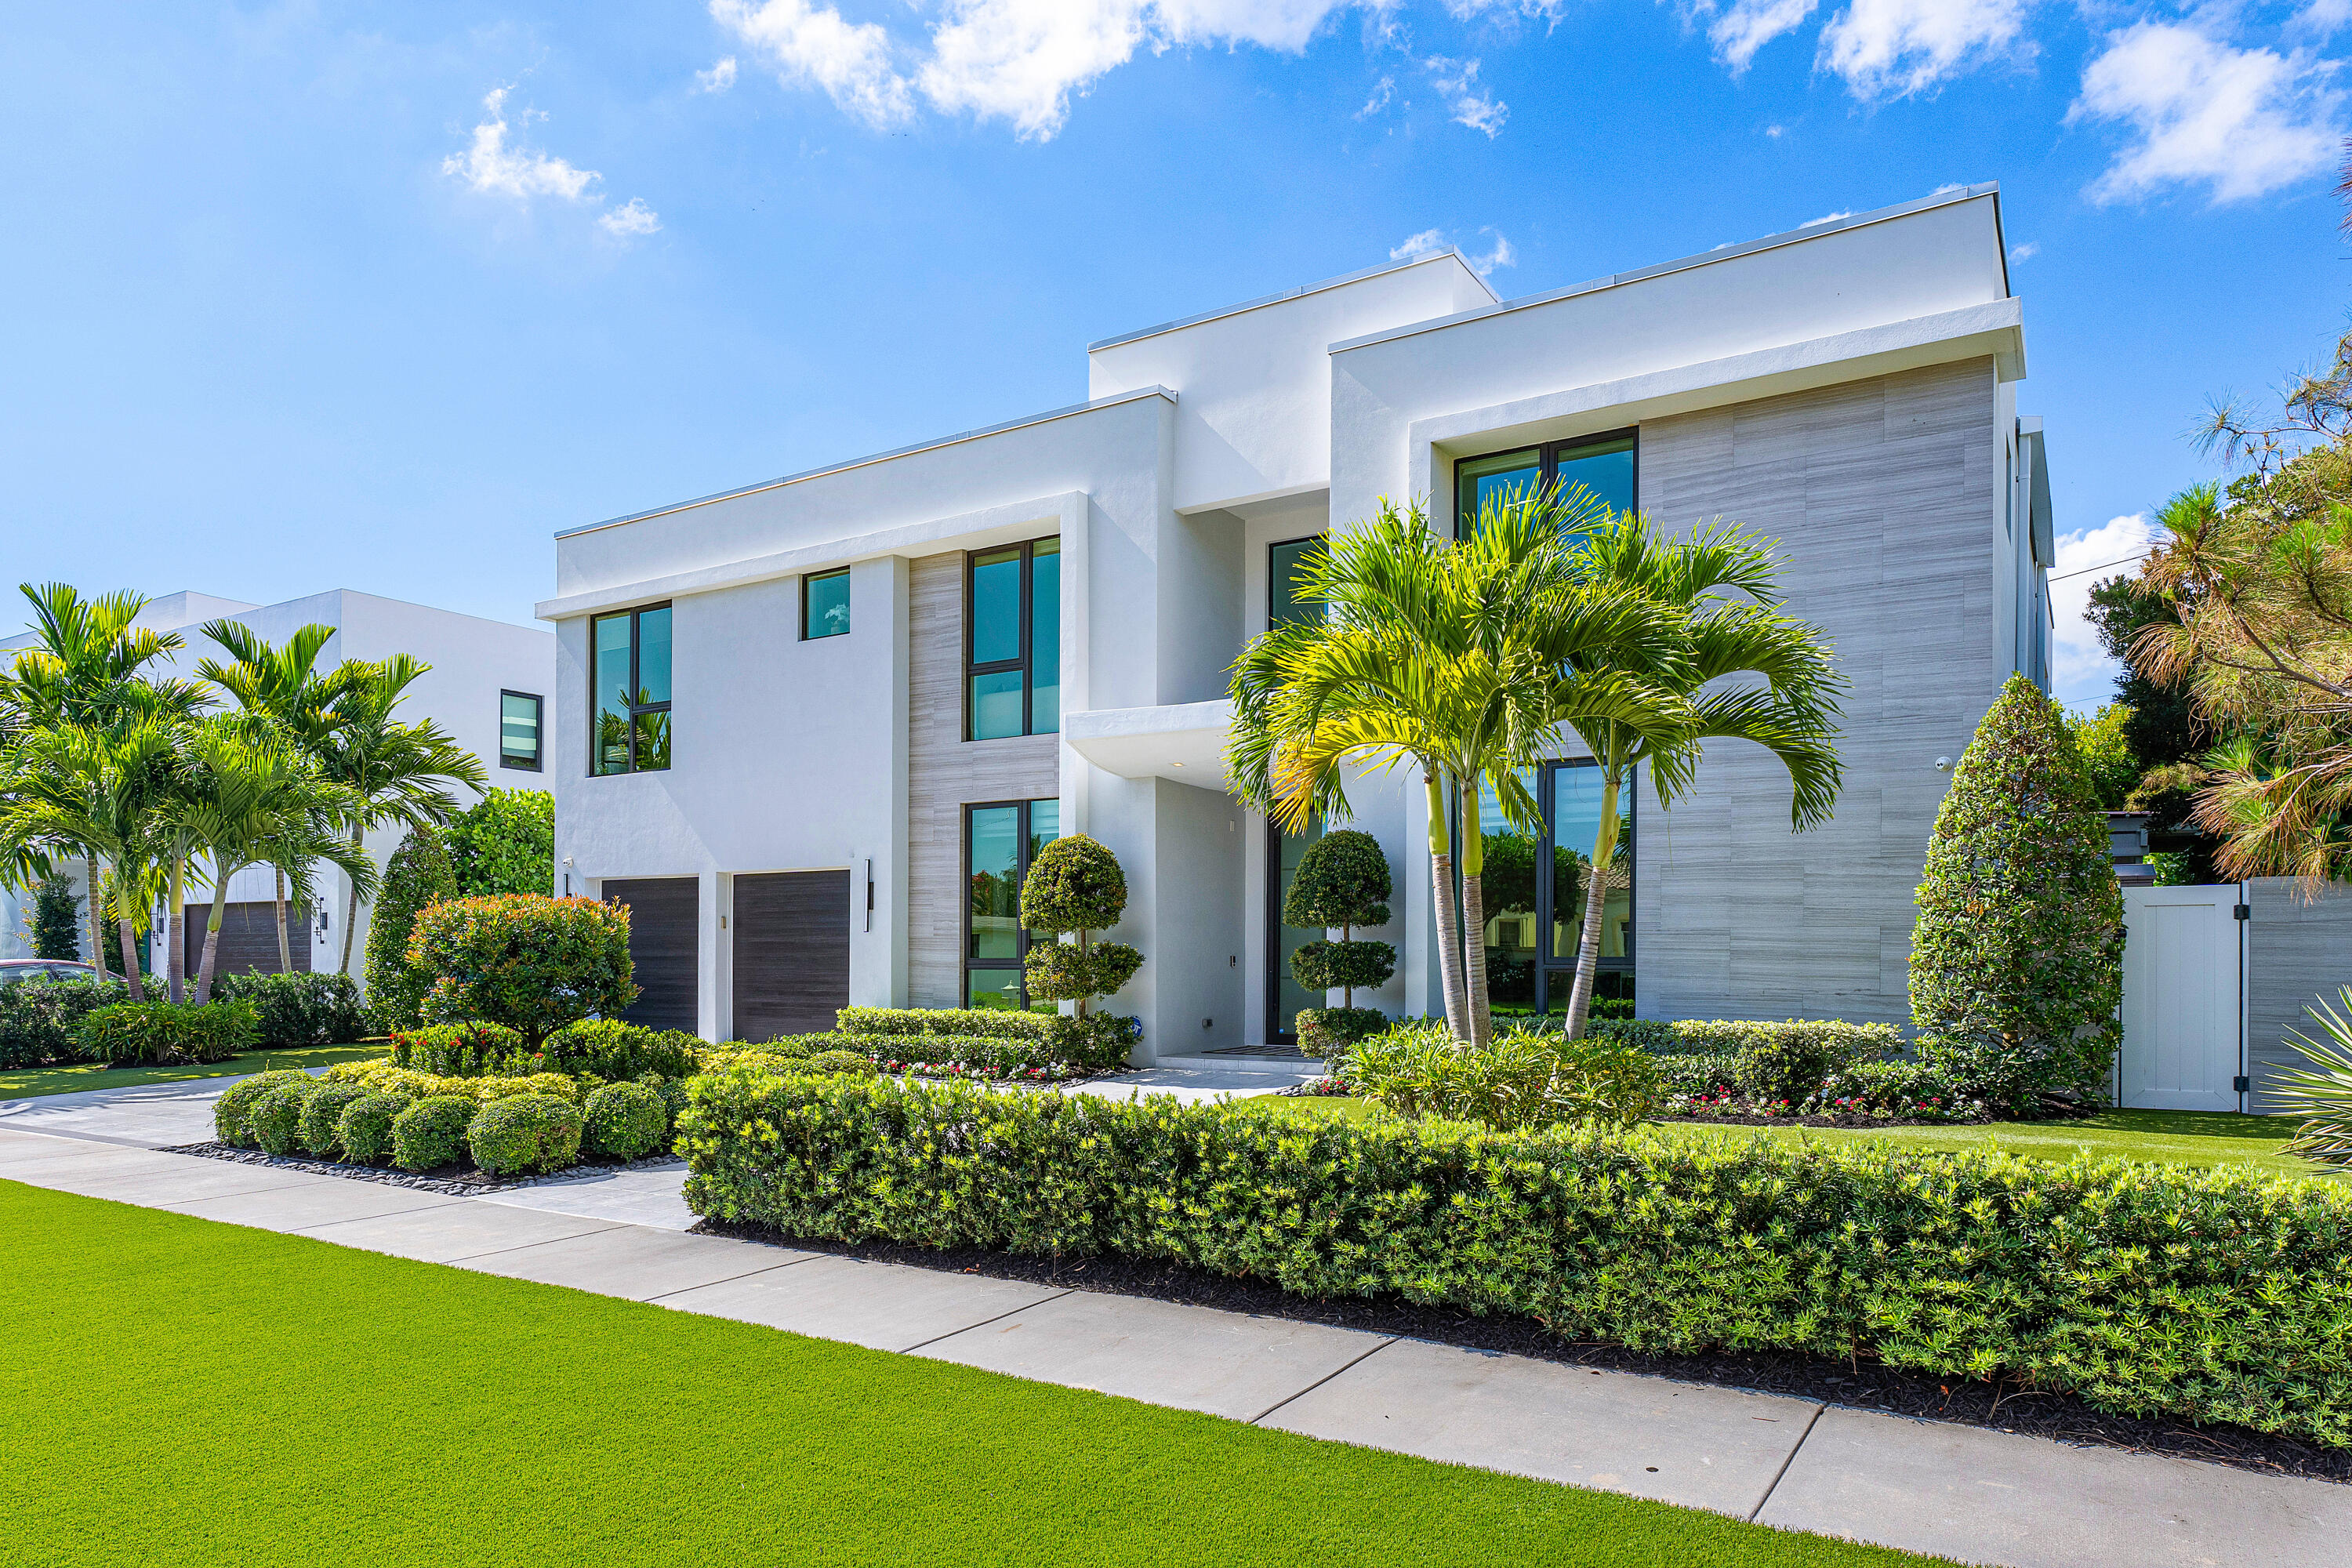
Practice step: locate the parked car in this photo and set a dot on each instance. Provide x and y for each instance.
(12, 970)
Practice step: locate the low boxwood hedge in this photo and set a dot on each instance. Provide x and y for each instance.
(365, 1129)
(277, 1117)
(525, 1132)
(233, 1111)
(2210, 1295)
(625, 1120)
(429, 1133)
(323, 1118)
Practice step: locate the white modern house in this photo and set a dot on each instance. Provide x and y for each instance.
(813, 729)
(489, 688)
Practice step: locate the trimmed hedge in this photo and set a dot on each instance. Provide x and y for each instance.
(294, 1012)
(366, 1130)
(525, 1132)
(602, 1048)
(1526, 1078)
(1096, 1043)
(233, 1111)
(430, 1132)
(277, 1117)
(2209, 1295)
(40, 1019)
(625, 1120)
(167, 1032)
(456, 1050)
(986, 1023)
(323, 1118)
(1839, 1042)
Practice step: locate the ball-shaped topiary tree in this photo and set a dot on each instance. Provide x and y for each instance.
(1074, 887)
(529, 961)
(1342, 880)
(2017, 959)
(419, 875)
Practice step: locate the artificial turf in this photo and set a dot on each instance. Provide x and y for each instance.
(27, 1083)
(180, 1392)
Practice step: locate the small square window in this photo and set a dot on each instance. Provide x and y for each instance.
(824, 604)
(519, 730)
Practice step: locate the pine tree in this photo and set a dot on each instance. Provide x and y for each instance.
(55, 923)
(418, 874)
(2017, 960)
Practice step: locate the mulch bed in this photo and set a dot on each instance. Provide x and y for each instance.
(1865, 1385)
(459, 1181)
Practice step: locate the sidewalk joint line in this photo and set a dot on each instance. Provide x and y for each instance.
(1786, 1462)
(1000, 1317)
(707, 1284)
(1319, 1382)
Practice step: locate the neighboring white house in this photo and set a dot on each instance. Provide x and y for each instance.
(811, 729)
(480, 669)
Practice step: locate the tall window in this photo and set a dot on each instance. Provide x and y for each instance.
(629, 676)
(1012, 650)
(1000, 842)
(1603, 464)
(1283, 561)
(1284, 995)
(824, 604)
(1534, 886)
(519, 730)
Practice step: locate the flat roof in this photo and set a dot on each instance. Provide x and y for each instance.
(1452, 251)
(1704, 259)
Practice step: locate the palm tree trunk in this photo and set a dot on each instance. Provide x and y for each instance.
(211, 935)
(1596, 898)
(285, 948)
(96, 914)
(1441, 883)
(125, 929)
(1474, 916)
(351, 912)
(176, 954)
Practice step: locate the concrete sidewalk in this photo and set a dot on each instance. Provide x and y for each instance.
(1962, 1492)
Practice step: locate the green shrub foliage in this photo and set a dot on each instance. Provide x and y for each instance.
(2017, 959)
(323, 1118)
(55, 923)
(849, 1062)
(430, 1133)
(233, 1111)
(126, 1032)
(1330, 1031)
(625, 1120)
(612, 1050)
(1528, 1077)
(418, 877)
(524, 1132)
(1342, 880)
(40, 1019)
(366, 1130)
(2210, 1296)
(531, 964)
(277, 1117)
(504, 843)
(295, 1012)
(1074, 887)
(470, 1049)
(964, 1021)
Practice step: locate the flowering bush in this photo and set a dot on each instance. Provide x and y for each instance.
(531, 964)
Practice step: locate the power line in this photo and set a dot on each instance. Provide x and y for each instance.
(2080, 570)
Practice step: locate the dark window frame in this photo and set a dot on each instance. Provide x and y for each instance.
(1547, 456)
(806, 578)
(1279, 1030)
(1024, 836)
(1275, 588)
(1555, 973)
(537, 727)
(636, 709)
(1025, 662)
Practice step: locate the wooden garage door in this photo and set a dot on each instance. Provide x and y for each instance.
(665, 915)
(792, 953)
(248, 939)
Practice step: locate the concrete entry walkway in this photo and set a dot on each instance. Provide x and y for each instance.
(1962, 1492)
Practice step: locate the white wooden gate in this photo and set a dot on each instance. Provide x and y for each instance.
(2184, 1007)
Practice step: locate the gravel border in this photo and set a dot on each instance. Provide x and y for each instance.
(1861, 1386)
(458, 1180)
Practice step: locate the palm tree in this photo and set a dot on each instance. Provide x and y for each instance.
(248, 798)
(280, 686)
(393, 771)
(1722, 584)
(95, 792)
(83, 668)
(1461, 659)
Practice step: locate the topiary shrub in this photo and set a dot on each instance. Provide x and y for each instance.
(277, 1117)
(531, 963)
(1342, 880)
(625, 1120)
(126, 1032)
(418, 877)
(504, 843)
(364, 1131)
(524, 1132)
(1074, 887)
(233, 1111)
(1330, 1031)
(2017, 959)
(431, 1132)
(296, 1011)
(321, 1131)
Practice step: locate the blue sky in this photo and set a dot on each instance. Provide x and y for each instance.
(382, 296)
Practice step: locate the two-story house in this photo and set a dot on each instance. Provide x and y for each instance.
(813, 729)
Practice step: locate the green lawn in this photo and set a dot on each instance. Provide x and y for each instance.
(185, 1392)
(23, 1083)
(2163, 1137)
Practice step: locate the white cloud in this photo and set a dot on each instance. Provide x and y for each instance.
(2081, 673)
(1775, 131)
(1889, 49)
(1502, 254)
(2241, 122)
(1426, 242)
(718, 79)
(1826, 217)
(1947, 188)
(2323, 18)
(1021, 59)
(1472, 105)
(1749, 25)
(810, 45)
(1432, 241)
(1383, 91)
(630, 221)
(2026, 252)
(492, 168)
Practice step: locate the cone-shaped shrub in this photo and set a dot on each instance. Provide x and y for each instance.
(1075, 886)
(2017, 960)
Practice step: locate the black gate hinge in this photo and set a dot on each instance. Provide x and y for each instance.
(2241, 1084)
(2245, 911)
